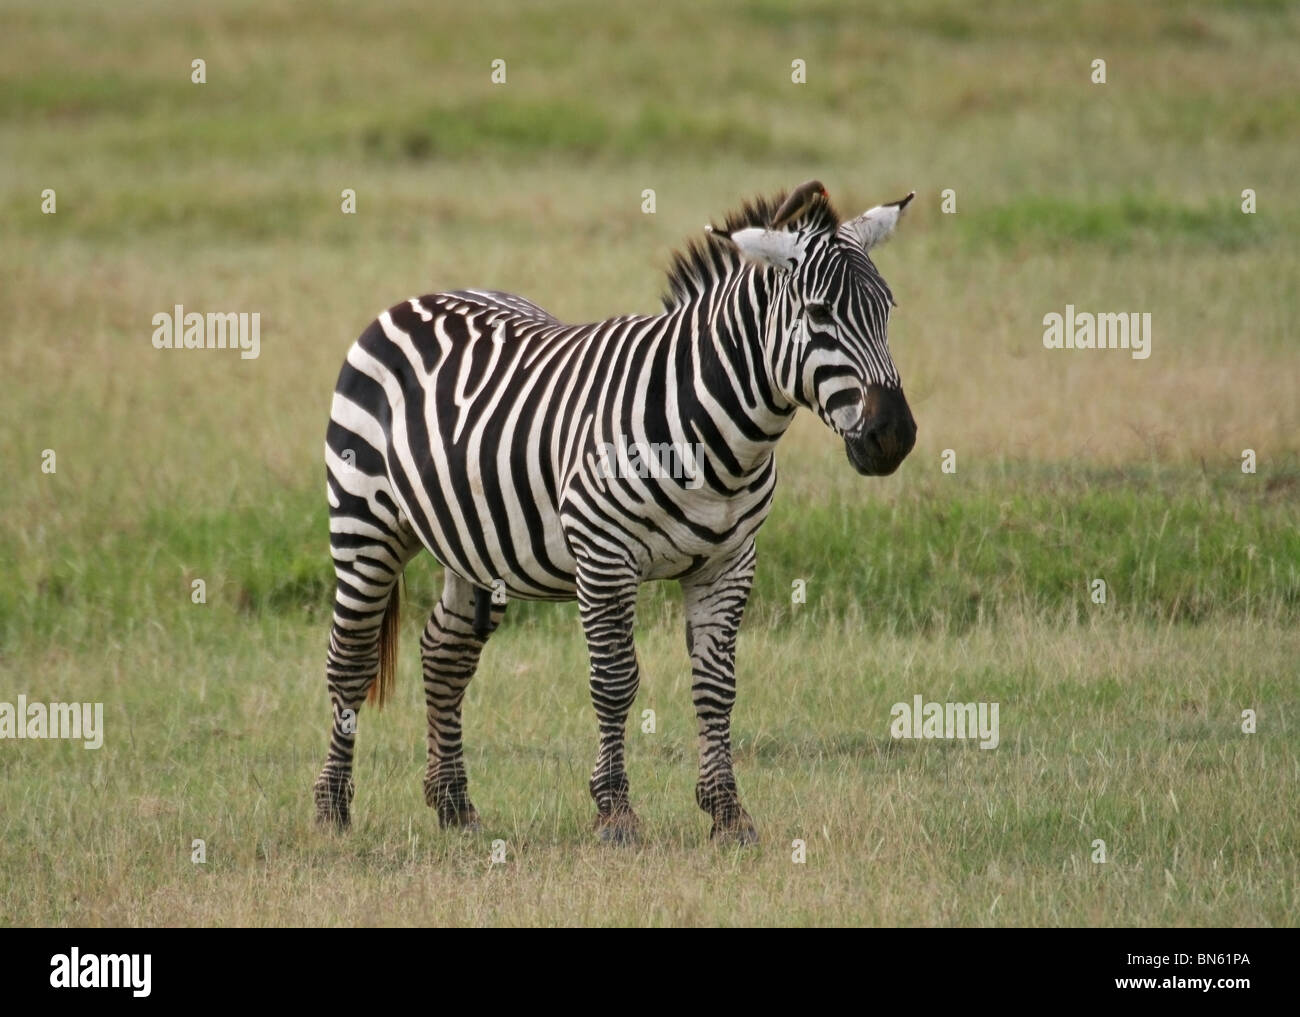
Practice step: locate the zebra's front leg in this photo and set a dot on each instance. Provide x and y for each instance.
(714, 606)
(449, 650)
(607, 602)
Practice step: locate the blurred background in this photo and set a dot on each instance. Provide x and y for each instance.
(1122, 196)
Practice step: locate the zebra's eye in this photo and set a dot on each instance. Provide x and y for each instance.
(819, 315)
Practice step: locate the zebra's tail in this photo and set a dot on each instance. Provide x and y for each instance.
(382, 687)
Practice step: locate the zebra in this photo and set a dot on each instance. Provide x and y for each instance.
(473, 424)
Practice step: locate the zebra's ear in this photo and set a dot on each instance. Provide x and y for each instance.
(875, 225)
(776, 248)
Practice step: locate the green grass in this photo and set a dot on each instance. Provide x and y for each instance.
(1118, 225)
(937, 555)
(1120, 722)
(1110, 730)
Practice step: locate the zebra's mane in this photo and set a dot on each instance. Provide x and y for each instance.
(702, 264)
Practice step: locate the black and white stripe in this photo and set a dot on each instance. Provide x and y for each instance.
(470, 424)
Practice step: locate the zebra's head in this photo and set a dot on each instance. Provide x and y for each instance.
(828, 320)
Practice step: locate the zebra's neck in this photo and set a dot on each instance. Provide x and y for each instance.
(733, 345)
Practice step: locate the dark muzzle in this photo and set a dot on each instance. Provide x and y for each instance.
(885, 435)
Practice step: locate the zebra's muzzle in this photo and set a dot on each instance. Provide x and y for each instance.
(886, 434)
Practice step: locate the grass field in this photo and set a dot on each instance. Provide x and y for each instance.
(1120, 722)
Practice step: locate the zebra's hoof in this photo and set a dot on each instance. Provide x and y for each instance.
(465, 820)
(333, 802)
(739, 834)
(333, 819)
(621, 828)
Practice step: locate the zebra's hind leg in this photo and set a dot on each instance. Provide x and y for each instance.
(714, 606)
(361, 661)
(449, 649)
(607, 603)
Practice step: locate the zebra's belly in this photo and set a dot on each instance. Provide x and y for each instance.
(498, 540)
(685, 551)
(506, 532)
(680, 533)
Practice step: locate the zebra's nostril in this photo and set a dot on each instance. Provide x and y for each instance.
(905, 436)
(888, 440)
